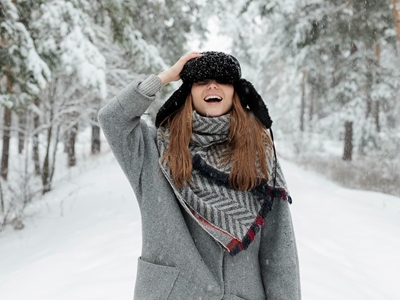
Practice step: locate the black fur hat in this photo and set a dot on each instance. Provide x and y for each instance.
(223, 68)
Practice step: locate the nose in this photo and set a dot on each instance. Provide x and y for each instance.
(212, 84)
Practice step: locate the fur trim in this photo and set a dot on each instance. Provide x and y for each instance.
(251, 99)
(173, 104)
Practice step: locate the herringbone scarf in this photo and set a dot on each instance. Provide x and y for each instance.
(230, 216)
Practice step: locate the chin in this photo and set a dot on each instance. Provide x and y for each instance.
(214, 114)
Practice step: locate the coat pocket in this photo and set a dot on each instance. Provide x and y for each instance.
(154, 282)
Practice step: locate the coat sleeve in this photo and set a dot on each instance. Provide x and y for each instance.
(131, 140)
(278, 255)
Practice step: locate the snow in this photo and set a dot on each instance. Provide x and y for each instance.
(22, 49)
(82, 240)
(215, 41)
(79, 54)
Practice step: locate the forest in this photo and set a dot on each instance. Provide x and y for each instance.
(328, 70)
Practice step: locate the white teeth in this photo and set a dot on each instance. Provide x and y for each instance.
(213, 97)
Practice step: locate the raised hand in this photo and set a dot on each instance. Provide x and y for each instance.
(172, 74)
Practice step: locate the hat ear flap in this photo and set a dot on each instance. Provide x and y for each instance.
(250, 98)
(174, 102)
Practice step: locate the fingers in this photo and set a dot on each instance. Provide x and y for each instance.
(196, 53)
(178, 66)
(191, 55)
(172, 74)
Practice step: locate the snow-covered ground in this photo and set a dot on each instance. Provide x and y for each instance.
(83, 239)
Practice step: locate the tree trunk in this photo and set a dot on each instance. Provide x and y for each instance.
(53, 165)
(348, 140)
(376, 108)
(49, 168)
(35, 143)
(66, 140)
(376, 116)
(96, 131)
(46, 164)
(6, 131)
(311, 105)
(71, 145)
(95, 139)
(21, 133)
(396, 14)
(6, 143)
(2, 208)
(378, 54)
(303, 101)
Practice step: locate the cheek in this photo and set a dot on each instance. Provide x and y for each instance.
(195, 98)
(230, 95)
(196, 94)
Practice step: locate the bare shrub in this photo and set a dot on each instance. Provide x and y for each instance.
(373, 174)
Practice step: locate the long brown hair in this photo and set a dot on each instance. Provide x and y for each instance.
(248, 145)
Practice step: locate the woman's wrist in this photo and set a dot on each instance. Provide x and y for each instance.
(165, 78)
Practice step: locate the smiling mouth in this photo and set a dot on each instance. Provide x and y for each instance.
(209, 99)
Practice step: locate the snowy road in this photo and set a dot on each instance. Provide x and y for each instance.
(82, 241)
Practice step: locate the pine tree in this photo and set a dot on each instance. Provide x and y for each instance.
(23, 73)
(342, 48)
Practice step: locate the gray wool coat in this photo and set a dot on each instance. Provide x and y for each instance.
(179, 260)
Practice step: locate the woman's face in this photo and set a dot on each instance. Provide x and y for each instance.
(212, 99)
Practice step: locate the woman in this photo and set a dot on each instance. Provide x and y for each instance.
(214, 203)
